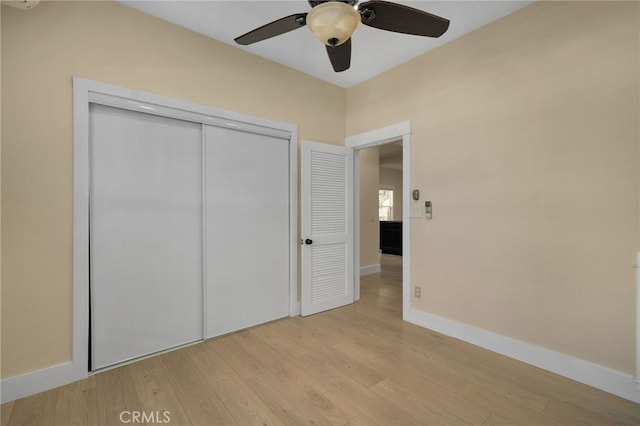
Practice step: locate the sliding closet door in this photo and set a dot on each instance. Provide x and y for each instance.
(247, 229)
(146, 234)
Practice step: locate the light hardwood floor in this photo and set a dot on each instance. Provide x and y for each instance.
(356, 365)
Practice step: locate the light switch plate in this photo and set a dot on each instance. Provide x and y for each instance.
(416, 210)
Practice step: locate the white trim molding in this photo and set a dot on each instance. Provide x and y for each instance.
(603, 378)
(368, 270)
(36, 381)
(636, 378)
(379, 136)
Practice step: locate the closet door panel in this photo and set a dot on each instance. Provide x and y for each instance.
(247, 229)
(146, 234)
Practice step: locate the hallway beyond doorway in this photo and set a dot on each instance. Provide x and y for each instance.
(384, 289)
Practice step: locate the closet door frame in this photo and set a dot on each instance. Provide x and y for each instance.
(86, 92)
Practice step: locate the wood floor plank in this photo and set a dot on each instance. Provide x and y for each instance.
(296, 378)
(565, 412)
(515, 392)
(35, 410)
(357, 395)
(5, 413)
(330, 368)
(563, 389)
(331, 362)
(405, 331)
(342, 323)
(156, 394)
(376, 300)
(506, 408)
(382, 410)
(278, 338)
(350, 381)
(77, 404)
(362, 398)
(202, 405)
(362, 420)
(244, 405)
(291, 407)
(115, 393)
(476, 372)
(340, 377)
(496, 420)
(535, 381)
(387, 359)
(327, 360)
(280, 400)
(421, 407)
(242, 363)
(309, 330)
(438, 391)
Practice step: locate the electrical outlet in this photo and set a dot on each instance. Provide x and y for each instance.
(417, 292)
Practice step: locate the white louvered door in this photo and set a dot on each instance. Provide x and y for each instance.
(327, 227)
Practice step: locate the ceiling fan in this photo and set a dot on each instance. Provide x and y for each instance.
(334, 21)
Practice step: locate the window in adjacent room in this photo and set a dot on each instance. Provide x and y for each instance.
(385, 204)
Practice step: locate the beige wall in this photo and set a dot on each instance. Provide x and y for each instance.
(525, 136)
(392, 179)
(369, 223)
(41, 50)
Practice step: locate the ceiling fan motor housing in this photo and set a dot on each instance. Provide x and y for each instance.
(314, 3)
(333, 22)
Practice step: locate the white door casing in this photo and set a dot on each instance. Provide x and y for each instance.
(327, 227)
(375, 137)
(89, 93)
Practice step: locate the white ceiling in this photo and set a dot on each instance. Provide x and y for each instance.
(373, 51)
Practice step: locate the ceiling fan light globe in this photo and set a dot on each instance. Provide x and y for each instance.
(333, 20)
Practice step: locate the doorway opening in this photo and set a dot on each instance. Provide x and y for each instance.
(391, 268)
(380, 175)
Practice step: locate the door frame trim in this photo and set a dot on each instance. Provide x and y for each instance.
(89, 91)
(375, 137)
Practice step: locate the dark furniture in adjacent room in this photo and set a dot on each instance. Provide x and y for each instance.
(391, 237)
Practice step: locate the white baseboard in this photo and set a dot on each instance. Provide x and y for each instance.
(368, 270)
(603, 378)
(17, 387)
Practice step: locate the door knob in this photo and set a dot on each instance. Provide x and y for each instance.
(308, 241)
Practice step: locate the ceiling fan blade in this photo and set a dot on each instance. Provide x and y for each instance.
(399, 18)
(272, 29)
(340, 56)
